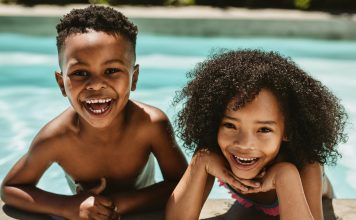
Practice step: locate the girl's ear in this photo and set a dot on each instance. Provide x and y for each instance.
(59, 79)
(136, 72)
(285, 138)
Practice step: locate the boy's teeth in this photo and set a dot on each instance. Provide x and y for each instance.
(93, 101)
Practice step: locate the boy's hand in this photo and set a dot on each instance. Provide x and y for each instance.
(217, 166)
(95, 190)
(94, 206)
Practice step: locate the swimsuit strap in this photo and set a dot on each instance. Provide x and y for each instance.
(272, 209)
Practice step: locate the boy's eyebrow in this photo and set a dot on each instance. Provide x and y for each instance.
(114, 61)
(79, 62)
(269, 122)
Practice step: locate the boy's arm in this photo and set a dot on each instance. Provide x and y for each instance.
(172, 164)
(19, 186)
(312, 176)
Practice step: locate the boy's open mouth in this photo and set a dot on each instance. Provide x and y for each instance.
(245, 161)
(98, 106)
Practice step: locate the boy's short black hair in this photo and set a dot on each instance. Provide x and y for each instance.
(98, 18)
(314, 117)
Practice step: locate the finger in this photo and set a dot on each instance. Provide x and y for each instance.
(105, 202)
(98, 216)
(105, 211)
(261, 174)
(252, 190)
(116, 216)
(250, 183)
(233, 182)
(100, 188)
(79, 188)
(246, 182)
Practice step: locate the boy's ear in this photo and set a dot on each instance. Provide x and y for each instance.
(136, 72)
(59, 79)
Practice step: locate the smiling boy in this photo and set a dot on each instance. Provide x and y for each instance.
(104, 136)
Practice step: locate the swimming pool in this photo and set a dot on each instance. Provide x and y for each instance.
(29, 96)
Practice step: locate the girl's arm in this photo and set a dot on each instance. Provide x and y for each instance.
(285, 179)
(289, 188)
(192, 190)
(312, 180)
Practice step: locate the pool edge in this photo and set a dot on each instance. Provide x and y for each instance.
(333, 209)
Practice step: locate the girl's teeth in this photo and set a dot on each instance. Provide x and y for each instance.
(245, 159)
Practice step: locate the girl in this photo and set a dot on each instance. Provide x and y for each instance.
(264, 128)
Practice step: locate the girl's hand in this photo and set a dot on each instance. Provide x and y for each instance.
(268, 181)
(217, 166)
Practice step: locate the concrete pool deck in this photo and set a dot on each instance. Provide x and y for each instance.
(199, 21)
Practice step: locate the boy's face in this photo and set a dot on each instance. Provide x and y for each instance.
(250, 137)
(98, 73)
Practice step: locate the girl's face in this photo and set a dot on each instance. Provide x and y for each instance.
(250, 137)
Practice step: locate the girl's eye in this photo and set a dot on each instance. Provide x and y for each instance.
(264, 130)
(229, 125)
(111, 71)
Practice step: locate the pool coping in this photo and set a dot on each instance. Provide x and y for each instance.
(344, 209)
(202, 21)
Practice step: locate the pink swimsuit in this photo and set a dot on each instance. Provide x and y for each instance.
(272, 209)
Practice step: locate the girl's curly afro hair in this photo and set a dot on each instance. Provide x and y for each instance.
(314, 117)
(98, 18)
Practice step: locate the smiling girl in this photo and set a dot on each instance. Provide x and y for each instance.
(265, 129)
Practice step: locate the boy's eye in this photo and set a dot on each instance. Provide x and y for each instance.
(80, 73)
(264, 130)
(111, 71)
(229, 125)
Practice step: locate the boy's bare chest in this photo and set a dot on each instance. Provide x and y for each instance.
(119, 161)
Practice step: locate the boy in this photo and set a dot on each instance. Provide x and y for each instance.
(104, 140)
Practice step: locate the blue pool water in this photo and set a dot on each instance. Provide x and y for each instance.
(29, 96)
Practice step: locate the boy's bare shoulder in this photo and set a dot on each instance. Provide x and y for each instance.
(57, 130)
(150, 113)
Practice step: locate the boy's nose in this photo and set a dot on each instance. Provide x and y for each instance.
(96, 84)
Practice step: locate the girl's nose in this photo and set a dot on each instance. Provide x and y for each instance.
(244, 140)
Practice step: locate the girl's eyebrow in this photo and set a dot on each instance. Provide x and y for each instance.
(267, 122)
(231, 118)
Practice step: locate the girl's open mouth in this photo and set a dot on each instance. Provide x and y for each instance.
(245, 162)
(98, 107)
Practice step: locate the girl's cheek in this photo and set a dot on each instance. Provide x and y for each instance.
(223, 139)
